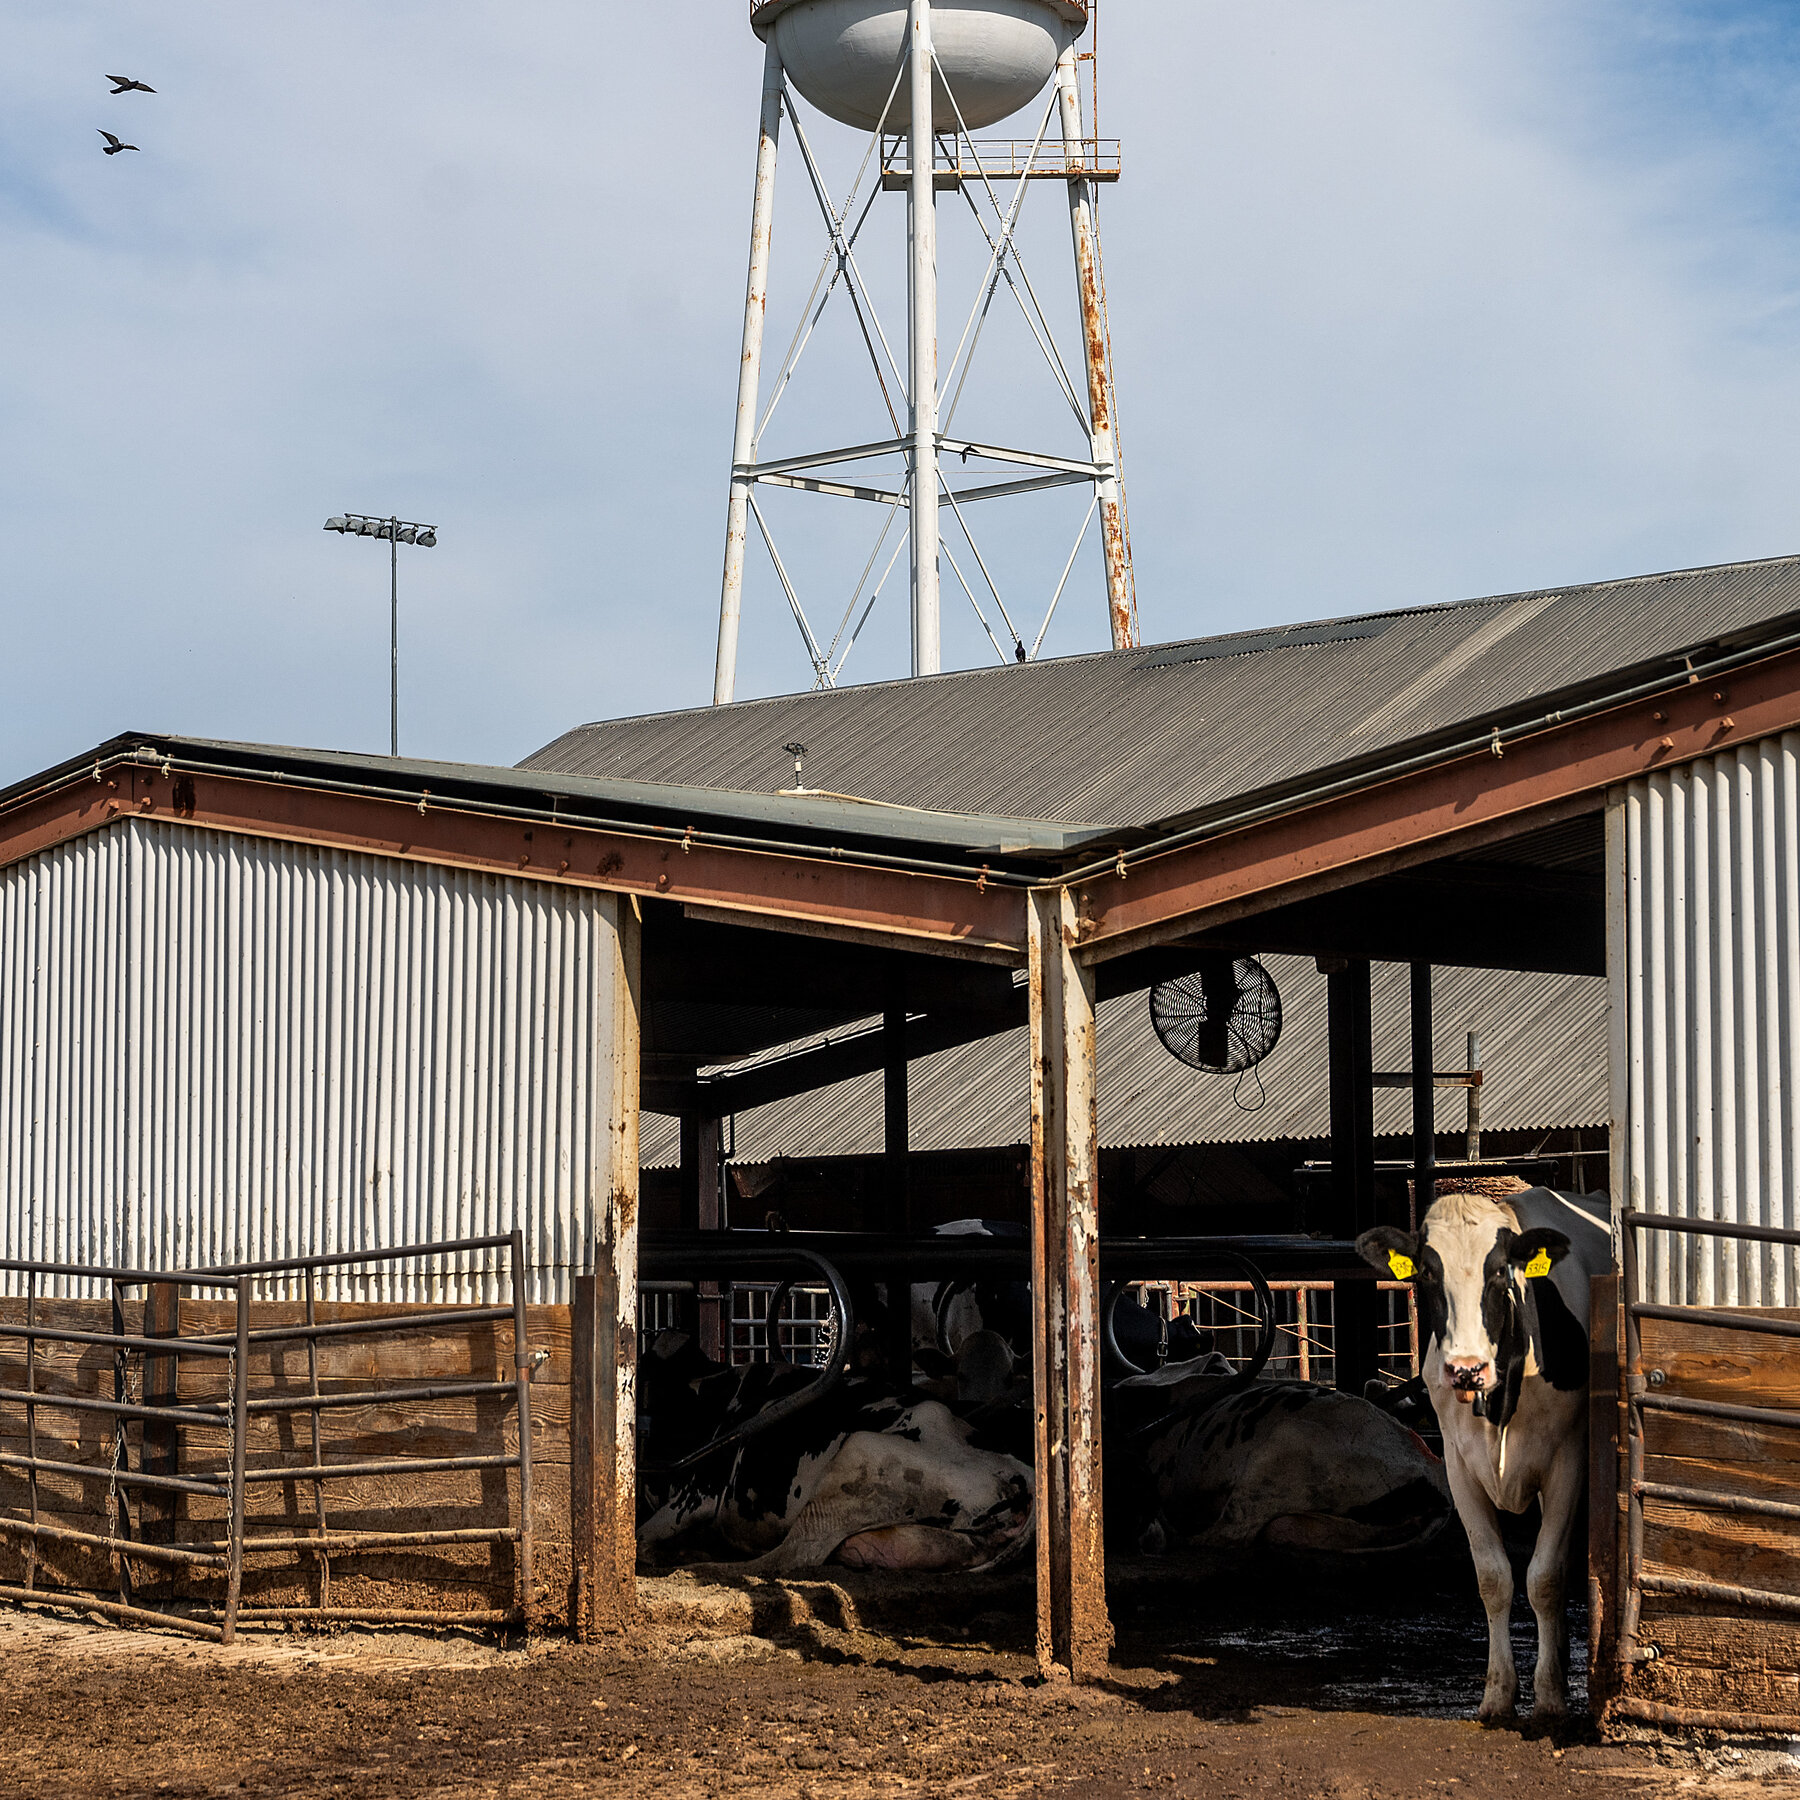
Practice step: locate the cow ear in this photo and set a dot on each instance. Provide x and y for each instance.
(1395, 1253)
(1537, 1252)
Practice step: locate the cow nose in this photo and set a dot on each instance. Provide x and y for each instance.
(1466, 1374)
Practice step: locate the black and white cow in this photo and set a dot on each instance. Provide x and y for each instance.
(1279, 1465)
(862, 1477)
(1502, 1289)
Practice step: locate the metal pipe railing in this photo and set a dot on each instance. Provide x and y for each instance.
(232, 1414)
(1641, 1400)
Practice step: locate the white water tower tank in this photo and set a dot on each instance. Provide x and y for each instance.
(843, 55)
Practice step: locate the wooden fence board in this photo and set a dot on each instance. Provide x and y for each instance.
(387, 1428)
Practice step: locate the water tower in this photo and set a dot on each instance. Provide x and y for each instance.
(921, 77)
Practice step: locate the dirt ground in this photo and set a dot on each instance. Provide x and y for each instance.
(827, 1689)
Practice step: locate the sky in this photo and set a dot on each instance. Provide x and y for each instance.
(1411, 300)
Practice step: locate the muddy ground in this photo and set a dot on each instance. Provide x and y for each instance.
(1225, 1685)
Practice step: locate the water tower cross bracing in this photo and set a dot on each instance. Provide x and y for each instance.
(921, 77)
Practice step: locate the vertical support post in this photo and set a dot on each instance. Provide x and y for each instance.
(1424, 1095)
(240, 1434)
(160, 1452)
(743, 441)
(1603, 1489)
(322, 1556)
(31, 1473)
(1115, 543)
(700, 1212)
(1632, 1601)
(1355, 1341)
(921, 221)
(897, 1172)
(1073, 1631)
(692, 1175)
(522, 1399)
(603, 1395)
(121, 1456)
(393, 636)
(1472, 1114)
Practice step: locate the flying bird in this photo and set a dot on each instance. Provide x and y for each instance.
(113, 146)
(128, 86)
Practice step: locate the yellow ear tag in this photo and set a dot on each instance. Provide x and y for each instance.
(1401, 1265)
(1539, 1264)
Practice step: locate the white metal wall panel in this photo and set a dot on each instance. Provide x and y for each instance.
(1704, 875)
(217, 1049)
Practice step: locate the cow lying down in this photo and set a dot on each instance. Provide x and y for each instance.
(862, 1478)
(1282, 1465)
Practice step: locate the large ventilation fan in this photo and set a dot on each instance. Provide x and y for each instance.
(1224, 1017)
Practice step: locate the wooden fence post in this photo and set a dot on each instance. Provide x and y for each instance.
(158, 1509)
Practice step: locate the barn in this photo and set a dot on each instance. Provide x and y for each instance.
(316, 1051)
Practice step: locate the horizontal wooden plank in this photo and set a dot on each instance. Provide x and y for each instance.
(1704, 1362)
(1740, 1549)
(1722, 1440)
(1718, 1475)
(399, 1354)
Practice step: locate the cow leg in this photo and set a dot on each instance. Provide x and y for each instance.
(1544, 1580)
(1493, 1576)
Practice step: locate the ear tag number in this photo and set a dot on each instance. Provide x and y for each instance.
(1539, 1265)
(1403, 1265)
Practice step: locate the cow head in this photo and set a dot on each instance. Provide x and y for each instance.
(1472, 1269)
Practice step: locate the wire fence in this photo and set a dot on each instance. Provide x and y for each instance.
(1305, 1317)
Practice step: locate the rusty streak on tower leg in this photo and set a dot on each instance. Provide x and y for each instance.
(1073, 1630)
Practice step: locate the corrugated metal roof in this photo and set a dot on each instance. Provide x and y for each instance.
(808, 815)
(1143, 737)
(1543, 1047)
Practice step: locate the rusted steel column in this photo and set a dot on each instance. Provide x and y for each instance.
(897, 1171)
(1115, 540)
(1073, 1630)
(743, 442)
(1605, 1514)
(603, 1316)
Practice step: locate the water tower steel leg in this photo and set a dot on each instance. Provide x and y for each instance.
(927, 656)
(743, 443)
(1093, 335)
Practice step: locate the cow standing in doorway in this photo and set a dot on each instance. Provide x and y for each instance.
(1502, 1289)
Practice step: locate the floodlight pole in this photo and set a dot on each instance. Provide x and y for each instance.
(393, 637)
(363, 525)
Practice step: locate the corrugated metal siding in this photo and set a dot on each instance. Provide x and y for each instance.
(220, 1049)
(1133, 737)
(1706, 880)
(1543, 1038)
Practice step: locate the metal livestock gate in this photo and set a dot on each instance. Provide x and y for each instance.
(1696, 1566)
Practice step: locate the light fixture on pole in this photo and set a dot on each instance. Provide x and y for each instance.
(397, 532)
